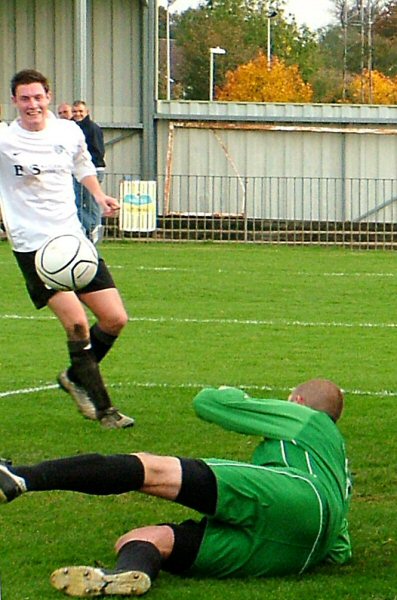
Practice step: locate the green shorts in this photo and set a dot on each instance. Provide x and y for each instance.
(268, 521)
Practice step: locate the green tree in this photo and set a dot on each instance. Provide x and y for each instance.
(385, 39)
(162, 22)
(386, 21)
(241, 28)
(362, 36)
(196, 31)
(354, 43)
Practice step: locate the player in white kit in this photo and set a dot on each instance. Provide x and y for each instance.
(38, 156)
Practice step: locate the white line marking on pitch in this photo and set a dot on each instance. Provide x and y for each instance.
(263, 322)
(343, 274)
(172, 269)
(195, 386)
(270, 323)
(226, 271)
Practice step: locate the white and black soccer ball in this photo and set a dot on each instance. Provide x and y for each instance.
(67, 262)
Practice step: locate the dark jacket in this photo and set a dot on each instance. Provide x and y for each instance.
(94, 138)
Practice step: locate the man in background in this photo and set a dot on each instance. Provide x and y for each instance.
(64, 111)
(88, 210)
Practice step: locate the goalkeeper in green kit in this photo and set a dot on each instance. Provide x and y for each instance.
(282, 513)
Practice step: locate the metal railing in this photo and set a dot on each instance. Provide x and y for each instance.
(283, 210)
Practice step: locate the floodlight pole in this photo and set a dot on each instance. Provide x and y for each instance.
(370, 50)
(168, 40)
(270, 15)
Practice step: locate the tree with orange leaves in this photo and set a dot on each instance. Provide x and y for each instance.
(373, 88)
(258, 81)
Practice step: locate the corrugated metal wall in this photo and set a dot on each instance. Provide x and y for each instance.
(90, 50)
(278, 140)
(36, 34)
(116, 61)
(289, 152)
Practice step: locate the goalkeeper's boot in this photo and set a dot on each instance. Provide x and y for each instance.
(11, 486)
(79, 395)
(111, 418)
(86, 582)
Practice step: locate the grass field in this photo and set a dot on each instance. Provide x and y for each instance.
(263, 318)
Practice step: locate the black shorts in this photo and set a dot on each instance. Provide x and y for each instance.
(188, 536)
(198, 491)
(40, 294)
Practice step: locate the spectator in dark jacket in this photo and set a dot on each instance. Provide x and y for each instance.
(87, 208)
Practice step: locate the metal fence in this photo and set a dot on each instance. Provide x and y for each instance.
(278, 210)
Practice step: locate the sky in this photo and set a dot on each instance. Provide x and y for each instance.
(313, 13)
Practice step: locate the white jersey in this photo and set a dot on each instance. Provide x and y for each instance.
(36, 185)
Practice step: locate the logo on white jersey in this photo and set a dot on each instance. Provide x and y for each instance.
(20, 170)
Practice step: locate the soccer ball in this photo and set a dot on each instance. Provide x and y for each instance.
(67, 262)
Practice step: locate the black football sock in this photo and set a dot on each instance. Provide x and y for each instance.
(101, 342)
(141, 556)
(87, 473)
(85, 372)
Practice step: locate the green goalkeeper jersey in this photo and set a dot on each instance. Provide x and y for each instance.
(295, 437)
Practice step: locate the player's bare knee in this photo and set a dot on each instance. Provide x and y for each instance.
(114, 323)
(161, 536)
(163, 475)
(78, 331)
(122, 320)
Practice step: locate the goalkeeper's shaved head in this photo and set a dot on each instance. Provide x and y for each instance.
(319, 394)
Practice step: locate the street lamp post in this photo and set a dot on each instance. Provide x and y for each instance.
(213, 51)
(168, 69)
(370, 51)
(270, 15)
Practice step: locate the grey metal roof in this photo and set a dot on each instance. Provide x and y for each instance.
(278, 112)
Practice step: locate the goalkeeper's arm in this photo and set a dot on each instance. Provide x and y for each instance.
(341, 551)
(233, 409)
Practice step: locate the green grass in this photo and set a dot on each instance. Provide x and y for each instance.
(264, 318)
